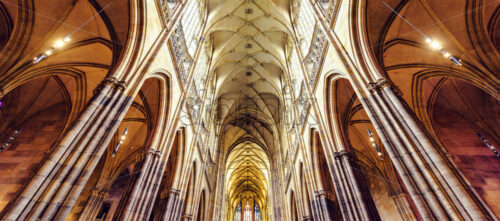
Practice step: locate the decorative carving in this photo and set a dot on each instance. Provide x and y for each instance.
(112, 82)
(181, 55)
(152, 152)
(329, 10)
(343, 154)
(99, 193)
(307, 218)
(169, 192)
(323, 193)
(381, 84)
(314, 59)
(121, 85)
(165, 12)
(193, 104)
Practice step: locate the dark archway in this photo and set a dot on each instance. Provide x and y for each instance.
(325, 178)
(458, 111)
(33, 117)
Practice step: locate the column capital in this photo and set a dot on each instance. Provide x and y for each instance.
(170, 192)
(152, 152)
(112, 82)
(121, 85)
(343, 154)
(306, 218)
(99, 193)
(322, 193)
(187, 217)
(382, 83)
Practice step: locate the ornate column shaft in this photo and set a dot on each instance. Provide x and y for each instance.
(54, 189)
(138, 200)
(168, 200)
(429, 178)
(93, 206)
(326, 211)
(354, 199)
(403, 207)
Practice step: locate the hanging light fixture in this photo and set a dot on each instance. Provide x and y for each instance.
(374, 144)
(488, 144)
(10, 140)
(436, 45)
(57, 45)
(122, 138)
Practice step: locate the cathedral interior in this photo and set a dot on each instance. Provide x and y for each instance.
(249, 110)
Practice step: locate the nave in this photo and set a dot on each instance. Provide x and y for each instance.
(249, 110)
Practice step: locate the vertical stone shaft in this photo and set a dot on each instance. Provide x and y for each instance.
(56, 184)
(93, 206)
(137, 202)
(431, 182)
(326, 212)
(354, 198)
(168, 200)
(77, 163)
(403, 207)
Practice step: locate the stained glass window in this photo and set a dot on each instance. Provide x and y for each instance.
(257, 213)
(237, 213)
(247, 216)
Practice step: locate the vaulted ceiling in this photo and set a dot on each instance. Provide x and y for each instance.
(249, 39)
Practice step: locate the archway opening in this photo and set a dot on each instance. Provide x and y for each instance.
(371, 162)
(321, 165)
(462, 116)
(33, 117)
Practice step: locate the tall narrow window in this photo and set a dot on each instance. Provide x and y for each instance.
(237, 213)
(305, 26)
(248, 213)
(257, 213)
(192, 25)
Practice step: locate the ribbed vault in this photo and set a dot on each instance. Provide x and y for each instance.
(249, 39)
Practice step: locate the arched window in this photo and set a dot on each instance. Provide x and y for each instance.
(237, 213)
(305, 25)
(192, 25)
(247, 215)
(258, 217)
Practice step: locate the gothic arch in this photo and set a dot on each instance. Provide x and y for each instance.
(39, 110)
(6, 25)
(454, 126)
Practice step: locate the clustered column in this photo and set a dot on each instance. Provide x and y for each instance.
(168, 202)
(138, 200)
(429, 178)
(325, 212)
(353, 195)
(52, 192)
(93, 206)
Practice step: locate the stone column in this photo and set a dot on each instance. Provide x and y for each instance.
(354, 198)
(168, 199)
(138, 200)
(326, 211)
(187, 217)
(52, 192)
(403, 207)
(431, 181)
(93, 206)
